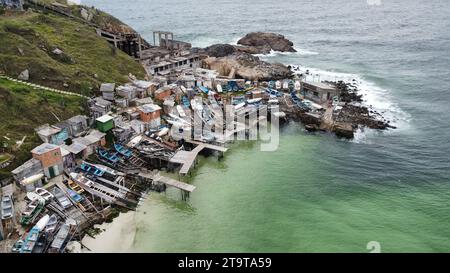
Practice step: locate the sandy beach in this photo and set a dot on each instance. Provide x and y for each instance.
(117, 236)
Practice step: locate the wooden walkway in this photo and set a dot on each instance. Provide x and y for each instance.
(187, 158)
(158, 178)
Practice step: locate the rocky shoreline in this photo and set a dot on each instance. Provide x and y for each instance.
(345, 115)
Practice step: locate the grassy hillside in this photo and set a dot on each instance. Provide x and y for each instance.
(23, 108)
(29, 39)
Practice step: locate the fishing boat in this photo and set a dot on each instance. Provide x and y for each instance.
(164, 131)
(312, 105)
(44, 194)
(279, 114)
(122, 150)
(32, 196)
(32, 209)
(271, 84)
(7, 207)
(89, 168)
(277, 85)
(185, 101)
(239, 106)
(294, 97)
(75, 196)
(17, 246)
(254, 101)
(204, 89)
(297, 86)
(52, 223)
(232, 86)
(61, 197)
(273, 92)
(219, 88)
(75, 187)
(111, 157)
(60, 237)
(180, 111)
(33, 235)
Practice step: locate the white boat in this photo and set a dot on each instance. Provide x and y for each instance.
(277, 85)
(181, 111)
(62, 198)
(196, 106)
(178, 119)
(252, 101)
(51, 224)
(33, 196)
(219, 88)
(279, 114)
(44, 194)
(7, 207)
(239, 106)
(163, 132)
(313, 105)
(297, 86)
(176, 123)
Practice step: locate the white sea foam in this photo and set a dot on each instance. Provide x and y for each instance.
(374, 97)
(300, 52)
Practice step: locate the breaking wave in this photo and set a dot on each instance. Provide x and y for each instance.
(300, 52)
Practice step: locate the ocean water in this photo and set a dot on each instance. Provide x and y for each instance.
(317, 193)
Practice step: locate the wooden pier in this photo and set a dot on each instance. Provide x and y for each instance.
(156, 177)
(188, 158)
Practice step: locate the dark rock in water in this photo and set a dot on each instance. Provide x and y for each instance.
(220, 50)
(360, 115)
(344, 130)
(246, 66)
(264, 42)
(347, 94)
(311, 127)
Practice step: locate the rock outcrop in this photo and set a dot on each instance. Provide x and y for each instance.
(246, 66)
(220, 50)
(264, 42)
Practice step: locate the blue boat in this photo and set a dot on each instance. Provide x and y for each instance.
(294, 97)
(111, 157)
(186, 102)
(271, 85)
(204, 89)
(123, 151)
(75, 196)
(303, 106)
(91, 169)
(232, 86)
(273, 92)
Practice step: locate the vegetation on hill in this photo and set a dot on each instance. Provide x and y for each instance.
(23, 108)
(31, 40)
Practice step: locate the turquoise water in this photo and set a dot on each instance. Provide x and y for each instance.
(317, 193)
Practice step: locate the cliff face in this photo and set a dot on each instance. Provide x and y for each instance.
(61, 52)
